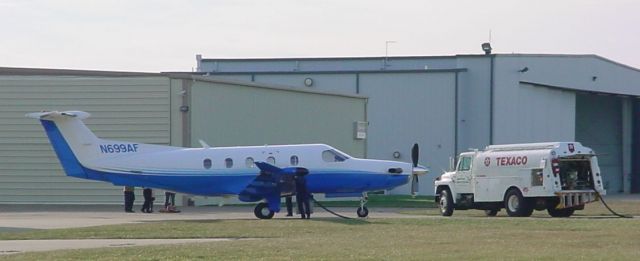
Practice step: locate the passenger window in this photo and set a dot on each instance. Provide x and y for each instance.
(333, 156)
(465, 164)
(206, 163)
(294, 160)
(249, 162)
(271, 160)
(228, 162)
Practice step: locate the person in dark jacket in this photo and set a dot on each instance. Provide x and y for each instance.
(147, 207)
(288, 202)
(302, 196)
(129, 197)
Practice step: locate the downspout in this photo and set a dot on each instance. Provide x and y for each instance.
(491, 97)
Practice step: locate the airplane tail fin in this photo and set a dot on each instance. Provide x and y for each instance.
(70, 138)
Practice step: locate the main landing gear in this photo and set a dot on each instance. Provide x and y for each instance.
(262, 211)
(362, 210)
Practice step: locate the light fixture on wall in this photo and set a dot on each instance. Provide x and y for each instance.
(486, 47)
(308, 82)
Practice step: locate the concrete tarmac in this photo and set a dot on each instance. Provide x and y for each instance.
(15, 218)
(8, 247)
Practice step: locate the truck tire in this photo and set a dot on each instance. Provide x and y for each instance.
(446, 203)
(516, 205)
(565, 212)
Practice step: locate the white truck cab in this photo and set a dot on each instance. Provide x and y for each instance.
(560, 177)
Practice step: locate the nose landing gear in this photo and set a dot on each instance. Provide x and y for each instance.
(262, 211)
(362, 210)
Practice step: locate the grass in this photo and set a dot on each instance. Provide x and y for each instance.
(465, 236)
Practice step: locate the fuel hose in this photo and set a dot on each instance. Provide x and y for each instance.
(611, 210)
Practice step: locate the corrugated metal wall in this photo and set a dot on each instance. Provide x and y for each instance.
(598, 128)
(236, 115)
(122, 108)
(533, 113)
(412, 108)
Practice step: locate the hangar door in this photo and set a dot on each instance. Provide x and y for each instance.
(405, 108)
(598, 126)
(122, 108)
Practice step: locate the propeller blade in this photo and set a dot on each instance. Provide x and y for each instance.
(415, 153)
(414, 185)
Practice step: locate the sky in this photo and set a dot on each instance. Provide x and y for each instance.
(159, 36)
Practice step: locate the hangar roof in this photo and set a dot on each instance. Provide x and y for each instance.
(43, 71)
(7, 71)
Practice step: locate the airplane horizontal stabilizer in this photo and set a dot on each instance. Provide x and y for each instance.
(50, 115)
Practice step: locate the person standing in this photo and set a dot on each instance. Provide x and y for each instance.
(147, 207)
(288, 202)
(129, 197)
(302, 196)
(170, 202)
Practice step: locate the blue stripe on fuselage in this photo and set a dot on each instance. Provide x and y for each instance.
(235, 183)
(69, 162)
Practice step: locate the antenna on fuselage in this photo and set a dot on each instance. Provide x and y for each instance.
(204, 144)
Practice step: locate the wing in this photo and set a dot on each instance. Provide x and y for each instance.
(271, 184)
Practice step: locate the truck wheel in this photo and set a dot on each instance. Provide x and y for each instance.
(446, 203)
(565, 212)
(516, 205)
(491, 212)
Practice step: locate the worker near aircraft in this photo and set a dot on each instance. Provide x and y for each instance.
(289, 204)
(302, 195)
(147, 207)
(129, 197)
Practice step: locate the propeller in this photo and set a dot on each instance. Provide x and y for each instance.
(415, 155)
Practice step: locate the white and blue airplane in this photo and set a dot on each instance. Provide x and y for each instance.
(254, 173)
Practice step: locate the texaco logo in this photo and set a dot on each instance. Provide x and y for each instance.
(487, 161)
(571, 148)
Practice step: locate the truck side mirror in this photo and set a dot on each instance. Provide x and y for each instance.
(452, 163)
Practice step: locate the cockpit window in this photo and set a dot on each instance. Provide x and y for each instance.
(333, 156)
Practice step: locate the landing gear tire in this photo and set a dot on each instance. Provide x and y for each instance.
(362, 212)
(516, 205)
(446, 203)
(262, 211)
(491, 212)
(565, 212)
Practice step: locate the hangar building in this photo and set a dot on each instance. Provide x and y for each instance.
(449, 104)
(175, 109)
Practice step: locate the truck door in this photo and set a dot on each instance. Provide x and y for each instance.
(463, 175)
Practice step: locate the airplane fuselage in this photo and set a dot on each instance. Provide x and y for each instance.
(228, 170)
